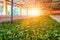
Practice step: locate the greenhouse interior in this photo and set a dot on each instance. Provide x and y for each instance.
(29, 19)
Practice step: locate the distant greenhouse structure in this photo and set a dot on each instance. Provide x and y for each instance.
(21, 7)
(29, 8)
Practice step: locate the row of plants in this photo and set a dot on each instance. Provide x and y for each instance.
(36, 28)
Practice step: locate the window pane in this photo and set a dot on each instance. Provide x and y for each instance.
(16, 10)
(9, 9)
(2, 9)
(23, 11)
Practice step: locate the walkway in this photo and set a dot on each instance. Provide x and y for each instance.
(56, 17)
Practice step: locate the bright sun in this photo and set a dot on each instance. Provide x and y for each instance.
(34, 12)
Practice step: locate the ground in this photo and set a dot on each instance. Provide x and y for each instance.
(35, 28)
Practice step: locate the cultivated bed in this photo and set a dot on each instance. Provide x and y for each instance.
(35, 28)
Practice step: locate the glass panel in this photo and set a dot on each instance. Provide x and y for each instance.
(24, 11)
(2, 9)
(9, 9)
(16, 10)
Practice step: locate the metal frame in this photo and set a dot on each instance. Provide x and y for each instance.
(11, 11)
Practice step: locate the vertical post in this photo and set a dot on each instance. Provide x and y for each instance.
(11, 11)
(35, 3)
(27, 11)
(5, 7)
(20, 10)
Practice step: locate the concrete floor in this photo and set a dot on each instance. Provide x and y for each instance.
(56, 17)
(8, 18)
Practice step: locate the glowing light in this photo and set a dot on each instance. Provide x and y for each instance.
(29, 12)
(34, 12)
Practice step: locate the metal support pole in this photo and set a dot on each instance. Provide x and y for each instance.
(20, 10)
(35, 4)
(27, 11)
(5, 7)
(11, 11)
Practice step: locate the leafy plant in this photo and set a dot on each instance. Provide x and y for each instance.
(36, 28)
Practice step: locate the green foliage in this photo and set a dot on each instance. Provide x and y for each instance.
(36, 28)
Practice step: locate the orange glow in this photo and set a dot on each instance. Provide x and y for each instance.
(34, 12)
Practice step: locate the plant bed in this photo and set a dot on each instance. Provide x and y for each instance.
(35, 28)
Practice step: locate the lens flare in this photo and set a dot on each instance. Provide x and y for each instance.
(34, 12)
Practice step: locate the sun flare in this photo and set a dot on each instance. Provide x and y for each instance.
(34, 12)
